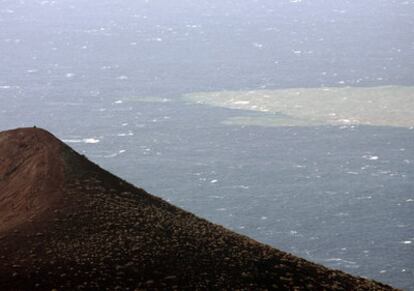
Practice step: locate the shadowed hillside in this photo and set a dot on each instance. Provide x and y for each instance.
(66, 223)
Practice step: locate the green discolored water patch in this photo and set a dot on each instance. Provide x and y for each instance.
(378, 106)
(272, 120)
(147, 99)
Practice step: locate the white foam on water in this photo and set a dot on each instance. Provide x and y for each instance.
(111, 155)
(241, 102)
(240, 187)
(130, 133)
(258, 45)
(352, 173)
(364, 197)
(371, 157)
(91, 140)
(83, 140)
(72, 140)
(115, 154)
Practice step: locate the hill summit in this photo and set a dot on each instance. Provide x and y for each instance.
(67, 223)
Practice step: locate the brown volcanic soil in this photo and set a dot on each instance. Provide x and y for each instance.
(31, 175)
(66, 223)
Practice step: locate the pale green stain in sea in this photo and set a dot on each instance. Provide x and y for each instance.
(147, 99)
(379, 106)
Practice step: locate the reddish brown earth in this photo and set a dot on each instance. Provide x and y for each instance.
(65, 223)
(31, 175)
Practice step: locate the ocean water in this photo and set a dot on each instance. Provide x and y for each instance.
(108, 78)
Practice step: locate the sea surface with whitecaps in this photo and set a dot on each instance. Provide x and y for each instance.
(288, 121)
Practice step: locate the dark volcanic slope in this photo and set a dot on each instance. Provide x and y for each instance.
(66, 223)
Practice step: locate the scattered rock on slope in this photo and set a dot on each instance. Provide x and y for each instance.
(66, 223)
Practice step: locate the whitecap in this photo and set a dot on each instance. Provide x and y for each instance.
(371, 157)
(241, 187)
(111, 155)
(130, 133)
(91, 140)
(352, 173)
(344, 121)
(258, 45)
(241, 102)
(364, 197)
(72, 140)
(115, 154)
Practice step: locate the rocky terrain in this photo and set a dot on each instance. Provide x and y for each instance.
(65, 223)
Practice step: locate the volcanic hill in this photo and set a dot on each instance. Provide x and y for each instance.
(65, 223)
